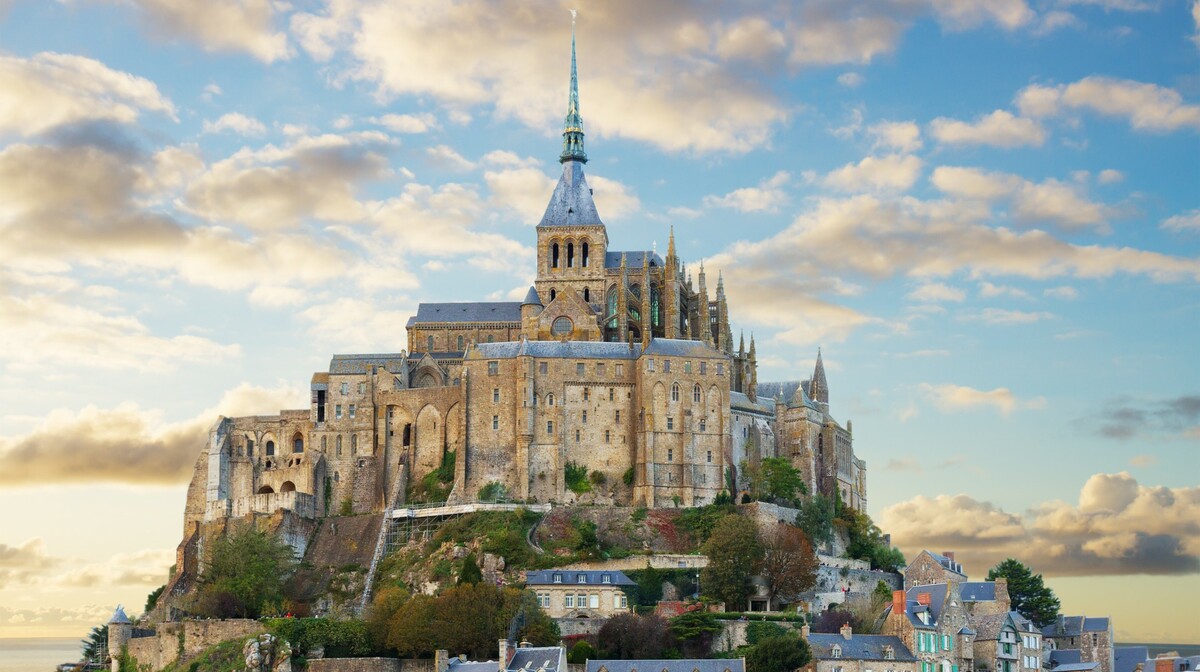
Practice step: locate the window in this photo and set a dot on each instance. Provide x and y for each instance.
(696, 393)
(606, 578)
(549, 426)
(558, 578)
(650, 365)
(703, 368)
(337, 411)
(544, 600)
(577, 436)
(670, 423)
(352, 409)
(270, 447)
(569, 601)
(339, 445)
(460, 343)
(587, 295)
(666, 366)
(579, 369)
(670, 454)
(297, 444)
(354, 445)
(702, 424)
(429, 343)
(720, 368)
(554, 255)
(599, 369)
(550, 399)
(493, 368)
(835, 651)
(495, 395)
(362, 388)
(675, 392)
(594, 601)
(585, 417)
(607, 437)
(491, 338)
(687, 366)
(495, 422)
(710, 457)
(586, 394)
(249, 447)
(345, 388)
(561, 326)
(889, 653)
(582, 578)
(620, 369)
(542, 368)
(945, 642)
(618, 414)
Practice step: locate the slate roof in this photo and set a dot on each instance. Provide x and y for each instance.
(632, 259)
(531, 297)
(467, 311)
(789, 389)
(545, 577)
(1074, 626)
(355, 364)
(457, 665)
(1076, 667)
(533, 659)
(119, 616)
(677, 347)
(858, 647)
(1125, 658)
(990, 625)
(726, 665)
(1065, 657)
(557, 349)
(970, 591)
(571, 203)
(1095, 624)
(739, 400)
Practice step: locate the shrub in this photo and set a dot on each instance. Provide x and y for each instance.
(576, 478)
(627, 477)
(492, 492)
(581, 653)
(598, 477)
(639, 514)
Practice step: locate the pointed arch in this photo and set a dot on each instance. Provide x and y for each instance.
(584, 250)
(554, 254)
(429, 441)
(674, 392)
(297, 443)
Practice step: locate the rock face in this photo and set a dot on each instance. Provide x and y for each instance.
(267, 653)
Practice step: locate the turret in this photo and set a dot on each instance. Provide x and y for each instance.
(120, 631)
(752, 373)
(818, 388)
(670, 292)
(724, 333)
(531, 307)
(647, 323)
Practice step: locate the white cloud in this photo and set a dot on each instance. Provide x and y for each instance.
(988, 290)
(1120, 5)
(750, 38)
(998, 129)
(614, 200)
(766, 197)
(1009, 14)
(378, 329)
(1003, 317)
(407, 123)
(1110, 176)
(1147, 107)
(220, 25)
(1062, 292)
(891, 173)
(237, 123)
(1062, 203)
(1184, 221)
(935, 292)
(900, 136)
(447, 158)
(950, 398)
(1054, 20)
(850, 80)
(49, 90)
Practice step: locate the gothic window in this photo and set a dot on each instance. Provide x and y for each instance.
(429, 343)
(553, 294)
(339, 445)
(570, 255)
(696, 394)
(655, 304)
(353, 444)
(553, 258)
(636, 290)
(583, 252)
(249, 447)
(674, 390)
(407, 434)
(460, 343)
(587, 295)
(611, 302)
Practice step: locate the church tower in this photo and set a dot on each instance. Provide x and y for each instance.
(571, 239)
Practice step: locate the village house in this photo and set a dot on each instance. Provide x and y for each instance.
(580, 594)
(848, 652)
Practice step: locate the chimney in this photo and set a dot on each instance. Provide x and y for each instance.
(949, 555)
(847, 631)
(804, 632)
(899, 602)
(923, 599)
(504, 654)
(1002, 594)
(441, 661)
(1163, 664)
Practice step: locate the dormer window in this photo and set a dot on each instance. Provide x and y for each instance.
(582, 578)
(558, 578)
(606, 579)
(836, 651)
(889, 653)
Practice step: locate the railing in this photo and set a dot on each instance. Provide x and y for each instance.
(380, 546)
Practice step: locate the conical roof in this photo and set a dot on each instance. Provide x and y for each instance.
(531, 297)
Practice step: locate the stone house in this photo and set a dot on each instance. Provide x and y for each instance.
(580, 594)
(510, 658)
(682, 665)
(929, 568)
(848, 652)
(1093, 637)
(1007, 642)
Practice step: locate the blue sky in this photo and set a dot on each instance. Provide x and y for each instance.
(984, 212)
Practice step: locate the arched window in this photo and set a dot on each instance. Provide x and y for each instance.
(297, 443)
(570, 255)
(324, 444)
(460, 343)
(583, 254)
(655, 307)
(696, 394)
(287, 486)
(354, 444)
(611, 302)
(266, 490)
(553, 294)
(429, 343)
(561, 326)
(703, 425)
(675, 392)
(550, 399)
(339, 445)
(554, 255)
(337, 477)
(587, 295)
(491, 338)
(249, 447)
(270, 447)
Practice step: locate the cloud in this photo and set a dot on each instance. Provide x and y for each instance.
(1061, 203)
(1126, 418)
(237, 123)
(447, 158)
(1184, 221)
(850, 80)
(379, 327)
(900, 136)
(950, 398)
(18, 564)
(1147, 107)
(891, 173)
(407, 123)
(750, 38)
(1143, 461)
(615, 199)
(126, 444)
(1120, 5)
(1110, 176)
(146, 568)
(1002, 317)
(988, 290)
(766, 197)
(50, 90)
(961, 14)
(1061, 292)
(936, 292)
(246, 26)
(998, 129)
(1119, 527)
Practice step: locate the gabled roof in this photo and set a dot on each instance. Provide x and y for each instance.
(763, 405)
(556, 349)
(467, 311)
(675, 347)
(543, 658)
(1095, 624)
(1126, 658)
(612, 259)
(970, 591)
(545, 577)
(1065, 657)
(457, 665)
(990, 625)
(358, 364)
(858, 647)
(726, 665)
(1074, 626)
(571, 203)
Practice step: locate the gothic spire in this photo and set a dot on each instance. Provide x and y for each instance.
(573, 123)
(818, 388)
(671, 243)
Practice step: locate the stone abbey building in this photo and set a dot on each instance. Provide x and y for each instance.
(615, 366)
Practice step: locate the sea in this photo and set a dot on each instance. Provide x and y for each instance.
(37, 654)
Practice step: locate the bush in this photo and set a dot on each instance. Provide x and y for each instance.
(638, 515)
(493, 491)
(779, 654)
(627, 477)
(247, 571)
(581, 653)
(576, 478)
(340, 639)
(757, 631)
(598, 477)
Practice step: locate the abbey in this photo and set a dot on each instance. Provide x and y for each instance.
(615, 381)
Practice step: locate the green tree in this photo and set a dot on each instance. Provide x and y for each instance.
(816, 519)
(581, 652)
(781, 482)
(789, 565)
(96, 643)
(650, 585)
(778, 654)
(152, 598)
(410, 629)
(470, 571)
(1029, 593)
(866, 540)
(695, 631)
(247, 570)
(629, 637)
(733, 554)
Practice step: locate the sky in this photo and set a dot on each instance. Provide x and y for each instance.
(984, 212)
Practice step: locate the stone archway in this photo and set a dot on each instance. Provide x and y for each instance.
(430, 446)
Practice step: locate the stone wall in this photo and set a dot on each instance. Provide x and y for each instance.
(367, 665)
(837, 585)
(636, 562)
(580, 626)
(733, 634)
(188, 638)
